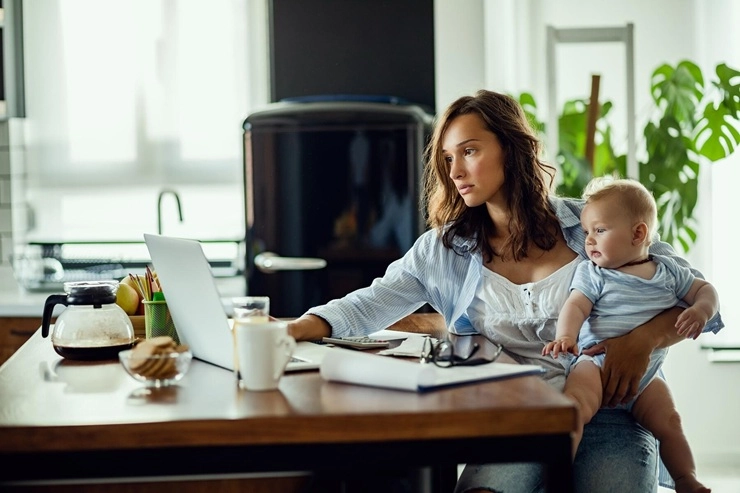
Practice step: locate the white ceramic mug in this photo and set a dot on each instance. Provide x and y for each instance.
(248, 309)
(264, 350)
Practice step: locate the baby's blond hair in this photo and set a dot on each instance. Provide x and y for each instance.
(636, 200)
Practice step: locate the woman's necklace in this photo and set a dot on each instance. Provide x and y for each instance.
(638, 262)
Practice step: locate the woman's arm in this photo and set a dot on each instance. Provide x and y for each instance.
(309, 328)
(626, 359)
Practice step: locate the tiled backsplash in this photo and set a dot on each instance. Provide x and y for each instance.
(13, 208)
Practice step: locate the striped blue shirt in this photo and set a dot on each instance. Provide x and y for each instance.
(622, 301)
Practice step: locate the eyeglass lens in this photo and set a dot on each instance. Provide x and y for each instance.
(443, 353)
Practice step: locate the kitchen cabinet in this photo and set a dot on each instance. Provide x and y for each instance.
(14, 331)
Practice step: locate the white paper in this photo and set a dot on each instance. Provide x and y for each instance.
(356, 367)
(411, 347)
(344, 365)
(392, 335)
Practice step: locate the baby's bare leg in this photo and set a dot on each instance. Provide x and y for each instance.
(584, 386)
(655, 410)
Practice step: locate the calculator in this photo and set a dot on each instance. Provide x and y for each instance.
(359, 342)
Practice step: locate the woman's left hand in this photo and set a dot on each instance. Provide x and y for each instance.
(625, 362)
(627, 357)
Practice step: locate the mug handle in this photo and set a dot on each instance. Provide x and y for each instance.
(289, 344)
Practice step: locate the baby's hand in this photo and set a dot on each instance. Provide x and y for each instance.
(691, 322)
(560, 345)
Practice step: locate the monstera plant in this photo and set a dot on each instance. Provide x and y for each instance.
(694, 122)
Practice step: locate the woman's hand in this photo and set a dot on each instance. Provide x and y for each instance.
(626, 358)
(309, 328)
(625, 362)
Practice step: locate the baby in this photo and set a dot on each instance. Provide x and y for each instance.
(620, 288)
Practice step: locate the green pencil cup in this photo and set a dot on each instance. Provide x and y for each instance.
(158, 321)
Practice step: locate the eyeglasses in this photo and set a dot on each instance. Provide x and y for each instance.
(442, 353)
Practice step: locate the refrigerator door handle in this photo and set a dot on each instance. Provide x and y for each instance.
(270, 262)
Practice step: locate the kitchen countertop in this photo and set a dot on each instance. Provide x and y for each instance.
(18, 302)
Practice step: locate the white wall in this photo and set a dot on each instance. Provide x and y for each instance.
(722, 182)
(512, 34)
(711, 410)
(458, 51)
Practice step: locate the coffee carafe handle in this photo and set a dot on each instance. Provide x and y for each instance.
(51, 301)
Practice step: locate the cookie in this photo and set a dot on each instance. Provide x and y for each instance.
(162, 342)
(140, 355)
(150, 358)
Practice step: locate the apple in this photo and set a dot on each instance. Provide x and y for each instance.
(127, 298)
(127, 280)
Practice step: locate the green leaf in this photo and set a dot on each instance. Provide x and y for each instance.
(659, 81)
(572, 127)
(666, 147)
(673, 221)
(576, 173)
(689, 197)
(606, 106)
(730, 92)
(715, 135)
(605, 162)
(529, 105)
(678, 91)
(620, 164)
(686, 235)
(527, 100)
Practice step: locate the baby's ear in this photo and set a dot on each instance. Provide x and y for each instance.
(640, 233)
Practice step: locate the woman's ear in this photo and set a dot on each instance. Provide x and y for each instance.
(640, 233)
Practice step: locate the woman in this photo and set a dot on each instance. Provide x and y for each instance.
(498, 261)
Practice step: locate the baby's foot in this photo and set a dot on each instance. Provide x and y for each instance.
(689, 484)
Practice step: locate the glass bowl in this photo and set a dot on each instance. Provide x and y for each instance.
(160, 370)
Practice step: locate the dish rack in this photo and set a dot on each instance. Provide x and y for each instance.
(42, 274)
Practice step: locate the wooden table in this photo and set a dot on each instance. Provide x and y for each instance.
(61, 420)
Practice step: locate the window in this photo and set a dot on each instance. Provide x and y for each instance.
(723, 247)
(126, 98)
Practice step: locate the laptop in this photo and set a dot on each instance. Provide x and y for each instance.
(195, 305)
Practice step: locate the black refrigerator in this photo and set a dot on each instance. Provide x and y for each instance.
(332, 196)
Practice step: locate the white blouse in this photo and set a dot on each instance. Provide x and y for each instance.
(522, 317)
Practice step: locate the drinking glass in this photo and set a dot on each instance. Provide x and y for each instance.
(251, 309)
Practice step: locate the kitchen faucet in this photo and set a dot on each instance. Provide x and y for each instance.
(162, 193)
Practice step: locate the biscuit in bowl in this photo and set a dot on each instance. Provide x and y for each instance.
(157, 362)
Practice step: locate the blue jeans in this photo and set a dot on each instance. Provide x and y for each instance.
(616, 454)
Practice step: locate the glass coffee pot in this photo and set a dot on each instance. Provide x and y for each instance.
(93, 326)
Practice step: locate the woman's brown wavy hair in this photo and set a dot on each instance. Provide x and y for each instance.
(527, 178)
